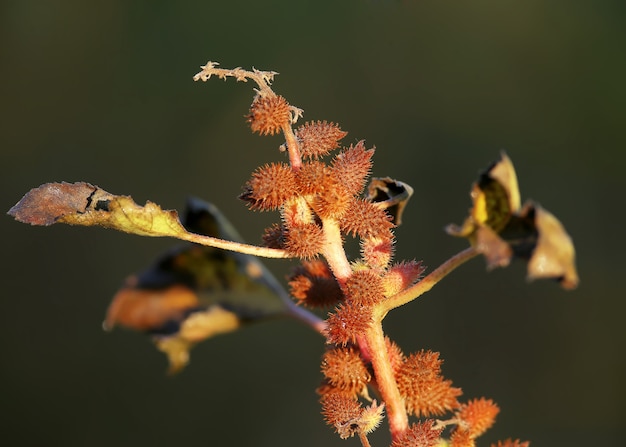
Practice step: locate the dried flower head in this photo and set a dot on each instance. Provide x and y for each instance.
(352, 166)
(366, 220)
(344, 369)
(304, 241)
(348, 416)
(274, 236)
(313, 178)
(270, 187)
(426, 393)
(268, 114)
(364, 287)
(313, 285)
(347, 323)
(318, 138)
(422, 434)
(342, 413)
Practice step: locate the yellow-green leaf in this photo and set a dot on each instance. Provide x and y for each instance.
(85, 204)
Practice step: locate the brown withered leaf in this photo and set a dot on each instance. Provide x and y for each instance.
(195, 292)
(199, 326)
(390, 194)
(85, 204)
(501, 230)
(553, 255)
(495, 197)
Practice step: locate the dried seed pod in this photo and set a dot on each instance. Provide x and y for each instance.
(318, 138)
(425, 391)
(352, 167)
(344, 368)
(347, 323)
(270, 187)
(268, 114)
(364, 287)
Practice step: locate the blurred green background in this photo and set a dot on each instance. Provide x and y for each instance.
(101, 91)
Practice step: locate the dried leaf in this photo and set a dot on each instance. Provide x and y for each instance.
(495, 197)
(195, 292)
(390, 194)
(500, 230)
(553, 255)
(197, 327)
(89, 205)
(86, 204)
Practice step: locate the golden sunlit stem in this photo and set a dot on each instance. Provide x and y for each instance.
(293, 147)
(254, 250)
(334, 252)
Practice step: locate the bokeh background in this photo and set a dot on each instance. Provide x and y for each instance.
(101, 91)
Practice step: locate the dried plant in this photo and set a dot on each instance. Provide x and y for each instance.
(216, 283)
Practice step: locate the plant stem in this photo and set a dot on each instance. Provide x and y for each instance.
(364, 441)
(385, 380)
(429, 281)
(293, 147)
(308, 318)
(334, 252)
(239, 247)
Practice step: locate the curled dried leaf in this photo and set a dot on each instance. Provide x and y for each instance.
(391, 195)
(499, 229)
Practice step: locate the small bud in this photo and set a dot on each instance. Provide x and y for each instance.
(402, 275)
(477, 416)
(371, 417)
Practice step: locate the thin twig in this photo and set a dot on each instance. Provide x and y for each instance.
(429, 281)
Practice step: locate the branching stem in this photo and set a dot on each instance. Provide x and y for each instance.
(293, 147)
(385, 380)
(429, 281)
(239, 247)
(334, 251)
